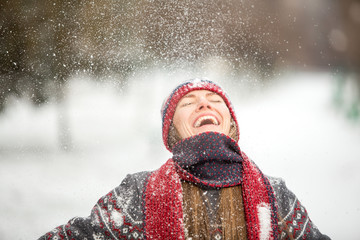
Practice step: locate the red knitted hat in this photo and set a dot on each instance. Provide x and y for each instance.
(169, 106)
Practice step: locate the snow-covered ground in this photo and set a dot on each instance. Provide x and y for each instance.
(289, 127)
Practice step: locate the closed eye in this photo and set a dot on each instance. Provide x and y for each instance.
(215, 98)
(186, 104)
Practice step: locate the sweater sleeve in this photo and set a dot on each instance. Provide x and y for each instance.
(294, 221)
(116, 215)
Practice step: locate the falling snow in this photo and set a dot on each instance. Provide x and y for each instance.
(98, 72)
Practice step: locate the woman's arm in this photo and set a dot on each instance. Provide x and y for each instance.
(116, 215)
(294, 221)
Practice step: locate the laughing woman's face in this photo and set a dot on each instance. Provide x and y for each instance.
(201, 111)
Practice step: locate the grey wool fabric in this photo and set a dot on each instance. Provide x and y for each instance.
(120, 214)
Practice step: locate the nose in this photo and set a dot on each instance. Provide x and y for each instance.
(203, 104)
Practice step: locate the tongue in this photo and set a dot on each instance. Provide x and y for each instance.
(206, 122)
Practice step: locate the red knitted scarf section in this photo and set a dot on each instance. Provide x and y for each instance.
(163, 204)
(162, 201)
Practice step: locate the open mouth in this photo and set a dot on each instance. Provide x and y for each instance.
(206, 120)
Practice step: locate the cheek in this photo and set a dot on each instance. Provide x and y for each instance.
(226, 117)
(176, 121)
(224, 111)
(180, 117)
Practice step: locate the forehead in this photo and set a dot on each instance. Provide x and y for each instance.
(197, 93)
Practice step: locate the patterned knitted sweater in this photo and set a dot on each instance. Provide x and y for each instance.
(120, 215)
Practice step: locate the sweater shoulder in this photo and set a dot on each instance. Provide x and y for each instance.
(130, 190)
(284, 197)
(134, 180)
(294, 220)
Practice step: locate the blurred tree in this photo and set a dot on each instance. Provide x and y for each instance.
(44, 42)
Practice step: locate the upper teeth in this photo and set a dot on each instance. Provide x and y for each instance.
(212, 118)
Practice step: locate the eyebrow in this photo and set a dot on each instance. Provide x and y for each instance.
(211, 93)
(190, 95)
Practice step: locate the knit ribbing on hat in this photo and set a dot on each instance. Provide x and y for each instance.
(169, 106)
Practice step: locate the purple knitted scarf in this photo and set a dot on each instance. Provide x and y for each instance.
(210, 159)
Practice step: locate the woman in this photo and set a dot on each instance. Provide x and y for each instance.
(209, 189)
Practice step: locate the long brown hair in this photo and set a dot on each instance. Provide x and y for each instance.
(230, 215)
